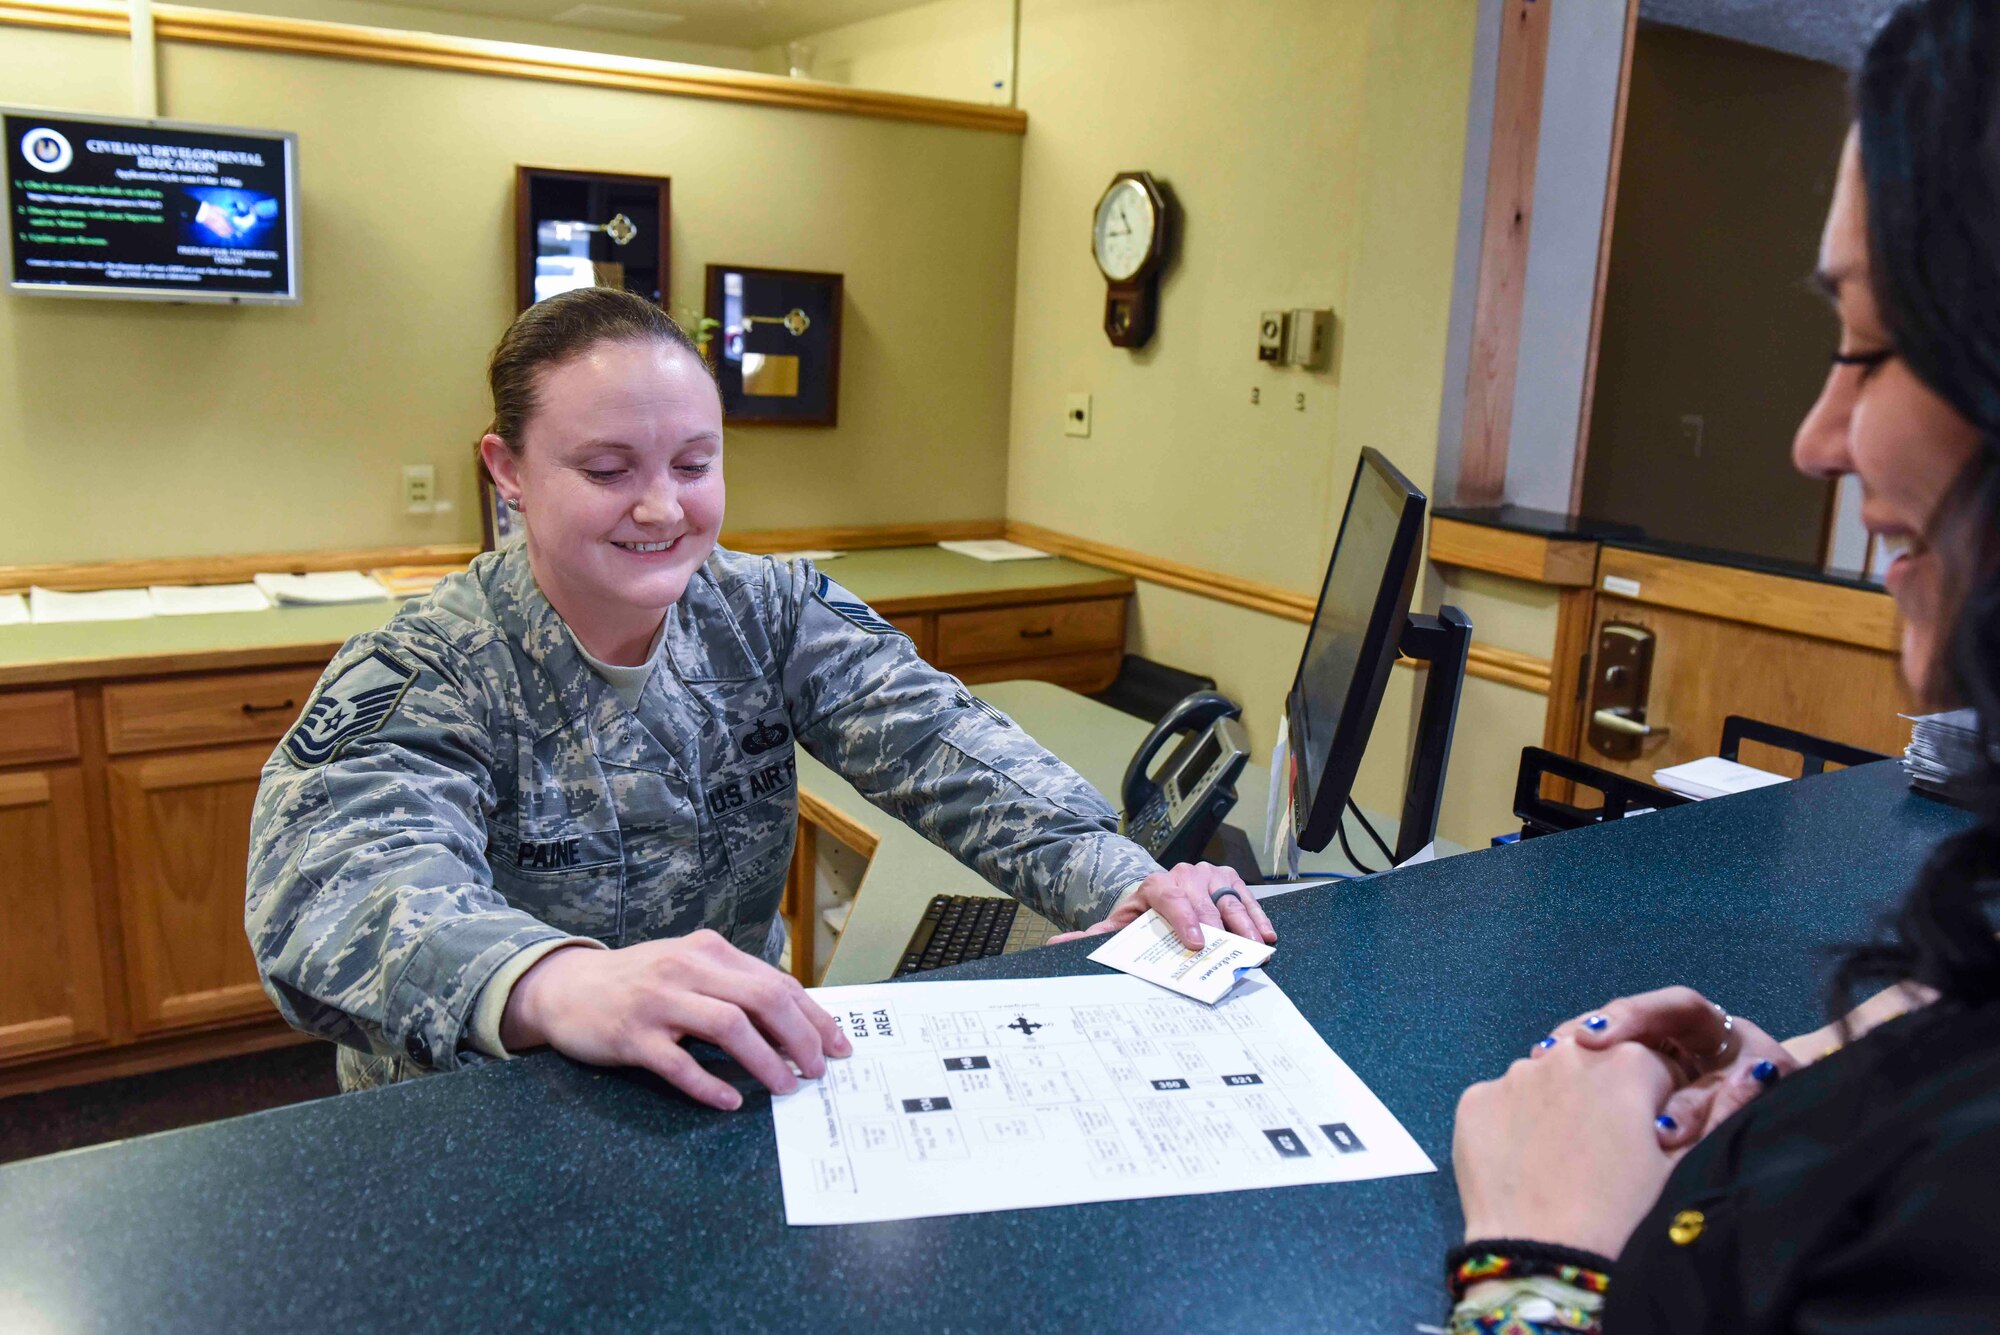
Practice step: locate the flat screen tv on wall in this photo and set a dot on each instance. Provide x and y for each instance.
(150, 210)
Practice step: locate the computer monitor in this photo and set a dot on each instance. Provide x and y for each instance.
(1361, 625)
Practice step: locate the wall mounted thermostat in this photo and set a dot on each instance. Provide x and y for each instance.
(1271, 326)
(1308, 335)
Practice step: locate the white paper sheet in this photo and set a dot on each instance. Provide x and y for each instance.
(321, 588)
(965, 1097)
(1712, 776)
(992, 549)
(47, 606)
(13, 609)
(1149, 948)
(177, 600)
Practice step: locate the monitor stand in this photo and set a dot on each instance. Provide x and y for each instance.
(1441, 642)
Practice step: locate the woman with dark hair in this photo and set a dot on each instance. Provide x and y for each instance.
(1659, 1165)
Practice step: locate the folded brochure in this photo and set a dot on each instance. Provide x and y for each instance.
(1150, 949)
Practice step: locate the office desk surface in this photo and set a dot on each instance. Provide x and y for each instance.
(541, 1194)
(907, 869)
(892, 578)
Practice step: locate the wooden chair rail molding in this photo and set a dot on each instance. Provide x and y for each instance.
(468, 55)
(1485, 662)
(1802, 606)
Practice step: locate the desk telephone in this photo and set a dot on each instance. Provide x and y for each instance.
(1174, 814)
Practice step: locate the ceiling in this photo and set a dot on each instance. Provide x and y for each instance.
(741, 23)
(1834, 31)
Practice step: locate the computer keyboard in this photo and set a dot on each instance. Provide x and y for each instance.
(957, 928)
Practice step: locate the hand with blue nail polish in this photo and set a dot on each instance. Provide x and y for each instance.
(1715, 1055)
(1563, 1148)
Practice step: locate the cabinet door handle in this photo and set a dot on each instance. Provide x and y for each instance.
(1042, 634)
(269, 709)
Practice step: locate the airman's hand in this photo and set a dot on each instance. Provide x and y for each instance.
(632, 1007)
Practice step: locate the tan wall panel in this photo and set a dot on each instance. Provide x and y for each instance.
(149, 430)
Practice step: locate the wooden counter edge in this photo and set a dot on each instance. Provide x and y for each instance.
(1565, 562)
(1812, 608)
(59, 671)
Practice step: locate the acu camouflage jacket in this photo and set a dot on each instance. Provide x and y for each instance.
(463, 786)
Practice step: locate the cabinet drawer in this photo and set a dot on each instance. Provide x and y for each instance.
(204, 711)
(37, 727)
(1035, 631)
(921, 627)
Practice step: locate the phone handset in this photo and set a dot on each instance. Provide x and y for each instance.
(1174, 817)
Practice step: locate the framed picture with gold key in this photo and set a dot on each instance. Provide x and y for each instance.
(776, 347)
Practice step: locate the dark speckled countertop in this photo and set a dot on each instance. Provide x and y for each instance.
(538, 1194)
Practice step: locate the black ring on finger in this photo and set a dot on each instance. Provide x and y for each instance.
(1231, 891)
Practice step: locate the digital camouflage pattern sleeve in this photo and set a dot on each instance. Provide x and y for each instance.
(917, 744)
(371, 908)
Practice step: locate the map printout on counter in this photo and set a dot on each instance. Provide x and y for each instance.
(964, 1097)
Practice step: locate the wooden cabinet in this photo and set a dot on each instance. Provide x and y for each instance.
(125, 801)
(51, 982)
(180, 828)
(1076, 644)
(205, 710)
(1706, 668)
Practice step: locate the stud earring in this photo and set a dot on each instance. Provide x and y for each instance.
(514, 504)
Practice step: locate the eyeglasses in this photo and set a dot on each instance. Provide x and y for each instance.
(1867, 360)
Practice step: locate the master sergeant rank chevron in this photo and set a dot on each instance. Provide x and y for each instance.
(352, 705)
(845, 603)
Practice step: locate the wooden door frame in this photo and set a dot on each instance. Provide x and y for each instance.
(1506, 226)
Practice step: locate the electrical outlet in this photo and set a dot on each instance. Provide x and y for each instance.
(1076, 415)
(419, 489)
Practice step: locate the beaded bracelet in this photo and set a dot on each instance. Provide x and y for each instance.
(1528, 1305)
(1511, 1258)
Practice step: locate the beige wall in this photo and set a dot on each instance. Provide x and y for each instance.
(958, 49)
(1728, 168)
(1316, 157)
(135, 429)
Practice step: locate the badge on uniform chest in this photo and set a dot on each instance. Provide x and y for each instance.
(764, 765)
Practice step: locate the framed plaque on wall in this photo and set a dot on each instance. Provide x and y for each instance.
(777, 344)
(590, 229)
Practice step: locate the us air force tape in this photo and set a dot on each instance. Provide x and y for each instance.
(852, 608)
(354, 704)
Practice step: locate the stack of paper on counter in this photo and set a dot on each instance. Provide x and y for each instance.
(178, 600)
(993, 549)
(1943, 750)
(411, 581)
(1712, 776)
(321, 588)
(13, 609)
(47, 606)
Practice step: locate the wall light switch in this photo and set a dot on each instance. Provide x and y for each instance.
(419, 489)
(1076, 415)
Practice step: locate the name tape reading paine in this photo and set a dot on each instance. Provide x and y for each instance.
(965, 1097)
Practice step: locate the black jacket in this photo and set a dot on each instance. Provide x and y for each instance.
(1860, 1196)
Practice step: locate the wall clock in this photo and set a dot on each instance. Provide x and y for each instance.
(1129, 237)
